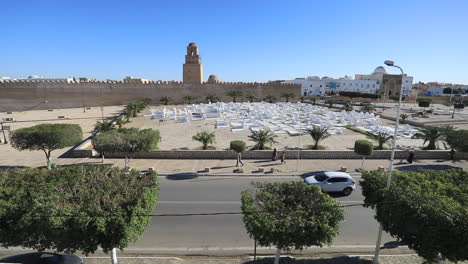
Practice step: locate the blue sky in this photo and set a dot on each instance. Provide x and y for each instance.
(244, 40)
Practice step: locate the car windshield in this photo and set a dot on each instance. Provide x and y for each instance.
(320, 177)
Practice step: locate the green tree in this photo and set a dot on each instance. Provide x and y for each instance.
(75, 208)
(103, 126)
(262, 137)
(432, 134)
(382, 138)
(109, 142)
(190, 98)
(270, 98)
(318, 134)
(290, 215)
(364, 148)
(287, 96)
(424, 103)
(121, 120)
(458, 140)
(165, 100)
(403, 118)
(130, 110)
(134, 140)
(370, 108)
(330, 102)
(238, 146)
(314, 100)
(348, 107)
(211, 98)
(46, 137)
(425, 210)
(234, 94)
(302, 99)
(250, 97)
(205, 138)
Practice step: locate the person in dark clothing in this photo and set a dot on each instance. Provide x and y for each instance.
(275, 155)
(452, 155)
(410, 157)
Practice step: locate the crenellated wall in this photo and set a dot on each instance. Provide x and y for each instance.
(31, 95)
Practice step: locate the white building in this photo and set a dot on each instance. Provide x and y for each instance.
(363, 83)
(439, 91)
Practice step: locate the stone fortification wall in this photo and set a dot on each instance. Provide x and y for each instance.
(32, 95)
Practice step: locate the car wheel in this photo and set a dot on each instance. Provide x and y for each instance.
(347, 191)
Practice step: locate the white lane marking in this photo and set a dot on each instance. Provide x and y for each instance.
(174, 258)
(246, 248)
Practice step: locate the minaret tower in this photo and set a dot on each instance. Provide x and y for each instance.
(193, 69)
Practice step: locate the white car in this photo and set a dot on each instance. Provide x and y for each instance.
(333, 181)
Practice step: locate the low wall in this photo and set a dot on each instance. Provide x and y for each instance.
(266, 154)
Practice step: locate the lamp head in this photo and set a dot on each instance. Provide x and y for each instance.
(389, 63)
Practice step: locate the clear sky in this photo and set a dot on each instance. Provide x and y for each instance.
(241, 40)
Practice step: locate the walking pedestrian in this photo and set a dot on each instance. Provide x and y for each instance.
(239, 160)
(452, 155)
(410, 157)
(283, 157)
(275, 155)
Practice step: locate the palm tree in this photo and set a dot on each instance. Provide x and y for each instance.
(131, 110)
(370, 108)
(250, 97)
(121, 120)
(302, 98)
(190, 98)
(165, 100)
(211, 98)
(103, 126)
(205, 138)
(262, 137)
(432, 134)
(287, 96)
(381, 138)
(403, 117)
(234, 95)
(348, 107)
(317, 134)
(269, 98)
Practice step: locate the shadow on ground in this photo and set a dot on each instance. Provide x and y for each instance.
(415, 167)
(336, 260)
(310, 173)
(182, 176)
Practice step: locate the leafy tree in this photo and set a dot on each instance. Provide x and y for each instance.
(120, 121)
(425, 210)
(403, 117)
(330, 102)
(270, 98)
(424, 103)
(211, 98)
(107, 142)
(134, 140)
(318, 134)
(302, 99)
(290, 215)
(250, 97)
(262, 137)
(363, 147)
(46, 137)
(165, 100)
(103, 126)
(381, 138)
(370, 108)
(75, 208)
(205, 138)
(190, 98)
(457, 106)
(287, 96)
(348, 107)
(234, 94)
(130, 110)
(314, 100)
(238, 146)
(433, 134)
(458, 140)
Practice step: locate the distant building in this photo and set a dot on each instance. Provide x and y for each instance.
(84, 80)
(439, 91)
(130, 79)
(378, 82)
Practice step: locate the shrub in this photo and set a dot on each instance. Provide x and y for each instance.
(363, 147)
(238, 146)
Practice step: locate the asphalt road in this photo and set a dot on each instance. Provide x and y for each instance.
(222, 194)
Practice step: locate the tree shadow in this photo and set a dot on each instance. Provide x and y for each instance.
(335, 260)
(182, 176)
(427, 167)
(222, 167)
(393, 244)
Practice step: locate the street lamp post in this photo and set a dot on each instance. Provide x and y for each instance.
(392, 156)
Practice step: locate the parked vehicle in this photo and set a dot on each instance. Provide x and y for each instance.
(340, 102)
(43, 258)
(333, 181)
(364, 103)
